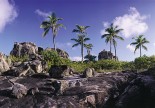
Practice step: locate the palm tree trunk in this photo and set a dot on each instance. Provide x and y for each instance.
(54, 43)
(82, 51)
(115, 53)
(110, 45)
(140, 50)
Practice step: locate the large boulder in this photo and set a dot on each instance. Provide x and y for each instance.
(106, 55)
(60, 52)
(89, 72)
(4, 66)
(60, 71)
(25, 48)
(140, 93)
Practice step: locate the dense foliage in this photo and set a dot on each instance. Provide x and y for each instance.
(140, 63)
(18, 59)
(52, 58)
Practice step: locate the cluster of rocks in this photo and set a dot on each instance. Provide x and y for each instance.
(34, 64)
(25, 85)
(106, 55)
(29, 48)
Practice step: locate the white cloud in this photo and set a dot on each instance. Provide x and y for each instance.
(8, 13)
(154, 44)
(130, 47)
(69, 44)
(105, 25)
(132, 23)
(41, 13)
(77, 58)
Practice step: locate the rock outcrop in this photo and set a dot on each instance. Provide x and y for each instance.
(60, 52)
(25, 48)
(106, 55)
(60, 71)
(4, 66)
(27, 68)
(30, 49)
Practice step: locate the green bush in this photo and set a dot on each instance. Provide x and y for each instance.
(79, 67)
(19, 59)
(128, 65)
(142, 62)
(51, 57)
(90, 57)
(107, 64)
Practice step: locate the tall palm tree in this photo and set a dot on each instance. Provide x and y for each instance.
(139, 43)
(88, 47)
(52, 24)
(81, 32)
(115, 43)
(112, 34)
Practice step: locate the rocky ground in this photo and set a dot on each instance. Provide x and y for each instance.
(28, 85)
(112, 90)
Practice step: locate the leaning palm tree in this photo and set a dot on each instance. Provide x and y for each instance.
(139, 42)
(53, 25)
(81, 31)
(88, 47)
(112, 34)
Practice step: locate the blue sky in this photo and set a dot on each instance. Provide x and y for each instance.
(20, 22)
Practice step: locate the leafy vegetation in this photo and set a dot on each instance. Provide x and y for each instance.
(18, 59)
(51, 57)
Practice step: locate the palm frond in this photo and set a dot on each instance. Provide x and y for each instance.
(144, 47)
(105, 35)
(86, 39)
(76, 44)
(76, 31)
(45, 24)
(46, 30)
(134, 43)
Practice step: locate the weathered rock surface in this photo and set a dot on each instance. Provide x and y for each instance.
(4, 66)
(60, 71)
(106, 55)
(27, 68)
(25, 48)
(61, 53)
(112, 90)
(89, 72)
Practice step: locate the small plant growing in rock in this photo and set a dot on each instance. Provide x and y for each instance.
(19, 59)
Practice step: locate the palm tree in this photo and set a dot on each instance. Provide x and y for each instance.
(81, 30)
(80, 41)
(88, 47)
(115, 43)
(139, 42)
(53, 25)
(112, 34)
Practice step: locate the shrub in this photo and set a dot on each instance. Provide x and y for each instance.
(107, 64)
(51, 57)
(142, 62)
(128, 65)
(19, 59)
(90, 58)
